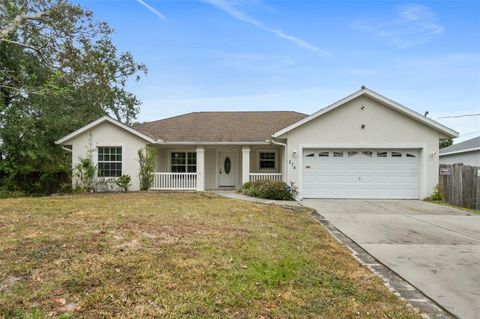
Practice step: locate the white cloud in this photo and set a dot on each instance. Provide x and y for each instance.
(415, 24)
(152, 9)
(230, 7)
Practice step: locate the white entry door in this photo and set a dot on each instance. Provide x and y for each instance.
(388, 174)
(227, 169)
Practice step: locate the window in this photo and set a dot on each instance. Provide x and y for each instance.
(109, 161)
(323, 154)
(352, 153)
(367, 153)
(410, 155)
(396, 154)
(310, 155)
(381, 154)
(184, 162)
(267, 160)
(337, 154)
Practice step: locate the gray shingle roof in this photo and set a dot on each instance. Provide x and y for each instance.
(220, 126)
(465, 145)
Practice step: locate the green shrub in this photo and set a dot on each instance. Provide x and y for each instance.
(437, 194)
(5, 193)
(123, 182)
(267, 189)
(146, 159)
(66, 188)
(86, 170)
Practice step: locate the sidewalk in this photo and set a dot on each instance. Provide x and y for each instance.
(235, 195)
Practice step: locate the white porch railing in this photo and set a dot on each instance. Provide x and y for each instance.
(174, 181)
(265, 176)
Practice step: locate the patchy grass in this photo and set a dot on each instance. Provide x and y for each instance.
(144, 255)
(441, 202)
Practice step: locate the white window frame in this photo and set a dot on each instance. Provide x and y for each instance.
(276, 160)
(186, 151)
(98, 162)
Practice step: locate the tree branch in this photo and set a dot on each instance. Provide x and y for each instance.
(18, 20)
(21, 44)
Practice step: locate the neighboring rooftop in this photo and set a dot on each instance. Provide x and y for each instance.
(220, 126)
(464, 146)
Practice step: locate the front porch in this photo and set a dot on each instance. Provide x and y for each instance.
(216, 167)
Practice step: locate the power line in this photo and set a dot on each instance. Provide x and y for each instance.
(457, 116)
(469, 133)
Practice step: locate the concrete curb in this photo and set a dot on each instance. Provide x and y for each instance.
(427, 307)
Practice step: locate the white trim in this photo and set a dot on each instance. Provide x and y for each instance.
(97, 162)
(174, 181)
(361, 146)
(180, 150)
(392, 104)
(467, 150)
(200, 168)
(212, 143)
(265, 176)
(245, 164)
(276, 160)
(100, 121)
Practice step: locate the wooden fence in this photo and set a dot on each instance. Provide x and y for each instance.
(460, 185)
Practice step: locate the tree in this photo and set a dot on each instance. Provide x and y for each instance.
(59, 70)
(445, 143)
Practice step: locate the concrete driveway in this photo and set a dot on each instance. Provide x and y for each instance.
(435, 248)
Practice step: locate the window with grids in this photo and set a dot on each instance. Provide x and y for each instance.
(184, 162)
(267, 160)
(109, 161)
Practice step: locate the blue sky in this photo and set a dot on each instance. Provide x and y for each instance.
(302, 55)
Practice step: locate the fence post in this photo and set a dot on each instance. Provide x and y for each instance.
(476, 178)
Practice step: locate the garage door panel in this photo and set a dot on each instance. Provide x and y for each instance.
(360, 174)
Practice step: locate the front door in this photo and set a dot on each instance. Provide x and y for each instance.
(227, 169)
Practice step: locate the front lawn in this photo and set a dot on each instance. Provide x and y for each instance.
(141, 255)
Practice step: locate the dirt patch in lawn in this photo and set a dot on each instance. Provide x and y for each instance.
(176, 256)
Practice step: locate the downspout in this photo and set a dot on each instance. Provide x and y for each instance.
(285, 156)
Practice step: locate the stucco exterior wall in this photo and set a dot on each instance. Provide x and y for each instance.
(255, 158)
(210, 168)
(470, 158)
(384, 129)
(107, 134)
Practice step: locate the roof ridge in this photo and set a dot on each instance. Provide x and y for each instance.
(206, 112)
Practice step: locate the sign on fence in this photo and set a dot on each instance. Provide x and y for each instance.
(445, 171)
(460, 185)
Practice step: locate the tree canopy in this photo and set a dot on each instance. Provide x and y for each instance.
(445, 143)
(59, 70)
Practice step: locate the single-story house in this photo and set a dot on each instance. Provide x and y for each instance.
(362, 146)
(466, 152)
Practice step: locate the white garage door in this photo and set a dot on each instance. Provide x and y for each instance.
(360, 174)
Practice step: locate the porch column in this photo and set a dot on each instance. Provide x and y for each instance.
(200, 168)
(245, 164)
